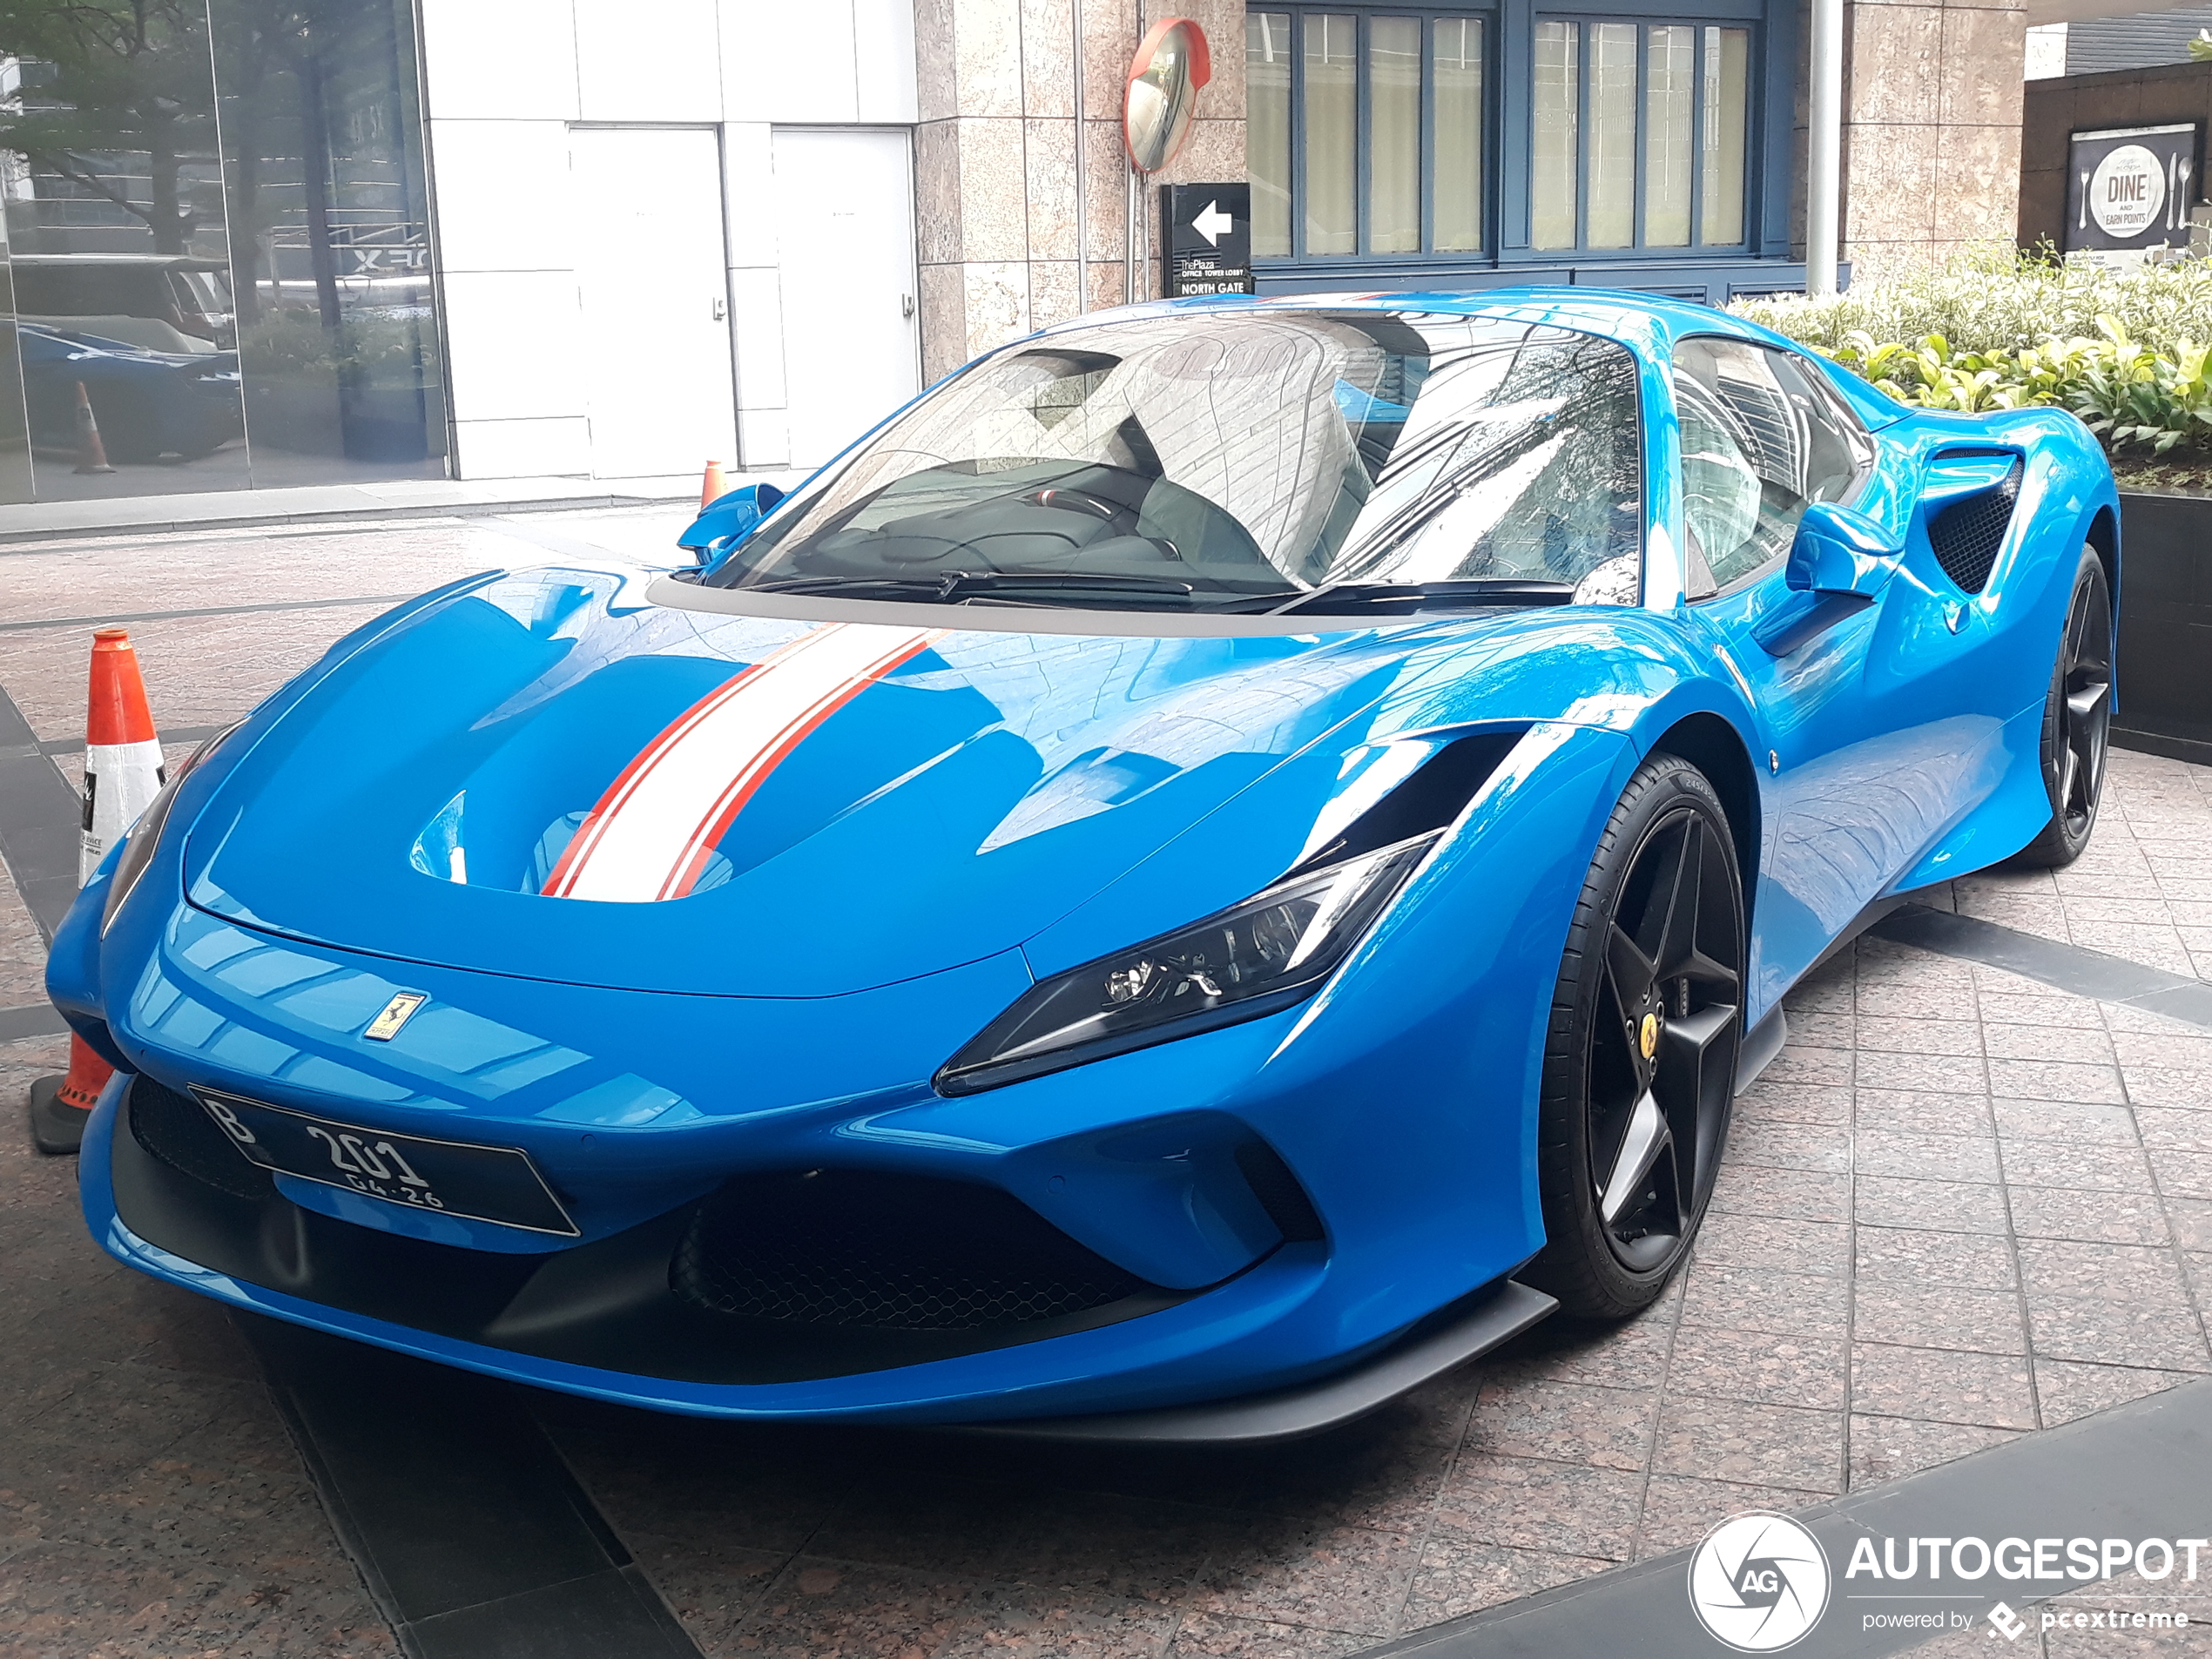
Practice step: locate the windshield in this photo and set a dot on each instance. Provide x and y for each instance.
(1241, 460)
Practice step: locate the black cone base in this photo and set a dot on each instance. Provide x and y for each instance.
(58, 1128)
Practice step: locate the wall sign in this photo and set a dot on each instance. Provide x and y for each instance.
(2131, 187)
(1210, 239)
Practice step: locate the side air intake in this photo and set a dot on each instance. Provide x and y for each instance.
(1966, 535)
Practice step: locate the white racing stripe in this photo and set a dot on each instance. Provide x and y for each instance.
(649, 836)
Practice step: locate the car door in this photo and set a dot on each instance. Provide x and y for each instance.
(1863, 768)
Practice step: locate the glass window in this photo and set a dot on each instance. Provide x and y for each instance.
(1559, 80)
(1630, 163)
(1234, 459)
(1728, 56)
(1762, 436)
(1613, 135)
(1385, 118)
(218, 245)
(1670, 79)
(1394, 134)
(1332, 133)
(1455, 69)
(1267, 128)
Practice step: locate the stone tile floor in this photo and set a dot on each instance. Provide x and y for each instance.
(1961, 1207)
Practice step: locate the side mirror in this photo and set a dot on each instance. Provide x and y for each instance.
(1839, 562)
(1837, 550)
(725, 521)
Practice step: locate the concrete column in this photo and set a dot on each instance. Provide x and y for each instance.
(1932, 139)
(998, 160)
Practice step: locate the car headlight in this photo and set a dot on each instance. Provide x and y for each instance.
(145, 836)
(1251, 960)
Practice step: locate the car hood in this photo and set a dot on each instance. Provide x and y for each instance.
(755, 805)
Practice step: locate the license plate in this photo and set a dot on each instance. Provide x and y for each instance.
(494, 1183)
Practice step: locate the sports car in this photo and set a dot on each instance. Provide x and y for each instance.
(1232, 855)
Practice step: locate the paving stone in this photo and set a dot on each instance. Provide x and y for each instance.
(2108, 1167)
(816, 1607)
(1894, 1035)
(1532, 1503)
(1786, 1305)
(1743, 1364)
(1939, 1316)
(1568, 1422)
(2066, 1390)
(1457, 1579)
(1753, 1189)
(1923, 1256)
(1945, 1206)
(1914, 1112)
(1021, 1624)
(2089, 1215)
(1210, 1635)
(1935, 1384)
(1885, 1448)
(2121, 1272)
(1940, 1157)
(1727, 1440)
(1788, 1144)
(1678, 1509)
(1293, 1572)
(2099, 1331)
(2077, 1123)
(1776, 1246)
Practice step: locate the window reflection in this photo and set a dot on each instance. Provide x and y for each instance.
(143, 149)
(1551, 206)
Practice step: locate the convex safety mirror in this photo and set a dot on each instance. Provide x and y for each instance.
(1162, 97)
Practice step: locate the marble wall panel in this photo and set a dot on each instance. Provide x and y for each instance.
(1889, 193)
(1050, 153)
(1978, 177)
(993, 199)
(1983, 52)
(937, 221)
(1052, 292)
(1896, 64)
(997, 295)
(1047, 57)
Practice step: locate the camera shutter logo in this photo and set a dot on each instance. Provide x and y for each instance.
(1758, 1582)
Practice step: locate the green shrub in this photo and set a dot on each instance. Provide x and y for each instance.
(1997, 330)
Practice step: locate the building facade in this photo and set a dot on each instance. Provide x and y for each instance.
(380, 238)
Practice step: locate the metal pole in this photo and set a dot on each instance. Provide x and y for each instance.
(1128, 254)
(1824, 147)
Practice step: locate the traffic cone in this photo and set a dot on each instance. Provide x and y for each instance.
(91, 454)
(714, 487)
(60, 1107)
(123, 773)
(123, 770)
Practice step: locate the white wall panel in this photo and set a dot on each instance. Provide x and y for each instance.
(542, 449)
(648, 60)
(503, 201)
(785, 62)
(749, 187)
(764, 438)
(511, 345)
(756, 305)
(494, 59)
(883, 56)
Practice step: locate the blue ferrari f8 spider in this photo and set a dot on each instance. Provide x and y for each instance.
(1230, 856)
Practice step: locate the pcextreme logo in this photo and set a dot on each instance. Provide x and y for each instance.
(1758, 1582)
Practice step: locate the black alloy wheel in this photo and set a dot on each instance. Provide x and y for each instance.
(2077, 722)
(1640, 1067)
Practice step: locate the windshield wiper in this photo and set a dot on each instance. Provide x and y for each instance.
(1414, 596)
(949, 585)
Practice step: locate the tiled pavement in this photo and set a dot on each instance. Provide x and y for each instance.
(1961, 1207)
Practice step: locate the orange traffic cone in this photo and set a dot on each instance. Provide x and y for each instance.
(91, 454)
(60, 1107)
(123, 773)
(713, 487)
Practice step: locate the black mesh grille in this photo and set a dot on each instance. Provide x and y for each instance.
(178, 1130)
(888, 1252)
(1966, 534)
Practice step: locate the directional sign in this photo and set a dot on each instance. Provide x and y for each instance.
(1210, 239)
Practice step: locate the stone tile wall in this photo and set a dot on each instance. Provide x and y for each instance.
(1931, 137)
(2070, 104)
(996, 160)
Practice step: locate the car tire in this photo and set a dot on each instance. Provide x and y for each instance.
(2077, 722)
(1639, 1058)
